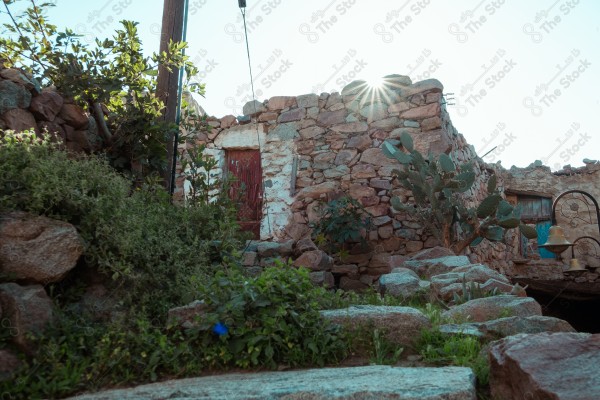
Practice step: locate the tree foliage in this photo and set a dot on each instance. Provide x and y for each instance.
(112, 80)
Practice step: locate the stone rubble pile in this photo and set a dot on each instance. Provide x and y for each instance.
(25, 105)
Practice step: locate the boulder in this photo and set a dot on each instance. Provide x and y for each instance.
(281, 102)
(305, 244)
(509, 326)
(187, 316)
(356, 383)
(322, 278)
(315, 260)
(74, 115)
(436, 266)
(379, 264)
(37, 249)
(479, 273)
(13, 96)
(46, 105)
(401, 325)
(268, 249)
(253, 107)
(28, 310)
(546, 366)
(19, 120)
(514, 325)
(401, 282)
(489, 308)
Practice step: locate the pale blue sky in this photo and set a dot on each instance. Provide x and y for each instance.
(525, 74)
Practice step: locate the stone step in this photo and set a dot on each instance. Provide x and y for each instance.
(357, 383)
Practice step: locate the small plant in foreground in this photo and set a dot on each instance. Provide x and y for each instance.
(341, 221)
(270, 319)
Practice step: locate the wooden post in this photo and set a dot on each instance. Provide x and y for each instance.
(168, 82)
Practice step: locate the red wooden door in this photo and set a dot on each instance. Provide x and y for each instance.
(246, 189)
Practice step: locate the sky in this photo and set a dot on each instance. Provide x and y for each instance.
(521, 78)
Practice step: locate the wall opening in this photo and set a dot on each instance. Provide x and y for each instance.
(244, 169)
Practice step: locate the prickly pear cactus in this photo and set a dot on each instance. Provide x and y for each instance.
(436, 183)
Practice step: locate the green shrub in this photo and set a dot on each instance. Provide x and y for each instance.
(76, 355)
(149, 247)
(341, 220)
(267, 320)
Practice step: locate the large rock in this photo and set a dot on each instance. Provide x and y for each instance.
(13, 96)
(546, 366)
(19, 120)
(36, 248)
(357, 383)
(315, 260)
(433, 253)
(488, 308)
(187, 316)
(46, 105)
(74, 115)
(509, 326)
(253, 107)
(28, 310)
(401, 282)
(401, 325)
(316, 191)
(322, 278)
(436, 266)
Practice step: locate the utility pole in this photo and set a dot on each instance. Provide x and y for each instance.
(168, 82)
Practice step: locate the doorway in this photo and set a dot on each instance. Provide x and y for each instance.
(246, 189)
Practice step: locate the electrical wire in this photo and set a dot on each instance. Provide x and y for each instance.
(243, 11)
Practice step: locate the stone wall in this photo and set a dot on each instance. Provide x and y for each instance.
(539, 180)
(25, 105)
(315, 148)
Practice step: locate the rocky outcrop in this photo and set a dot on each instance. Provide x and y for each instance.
(509, 326)
(401, 282)
(546, 366)
(25, 105)
(401, 325)
(489, 308)
(36, 248)
(359, 383)
(28, 310)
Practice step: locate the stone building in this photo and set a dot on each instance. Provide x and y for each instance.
(296, 153)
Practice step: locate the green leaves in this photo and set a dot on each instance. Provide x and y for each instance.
(488, 206)
(491, 185)
(392, 152)
(528, 231)
(407, 142)
(446, 163)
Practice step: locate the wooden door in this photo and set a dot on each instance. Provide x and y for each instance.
(243, 166)
(536, 210)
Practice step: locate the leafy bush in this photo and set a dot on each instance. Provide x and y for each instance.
(149, 247)
(75, 355)
(266, 320)
(341, 220)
